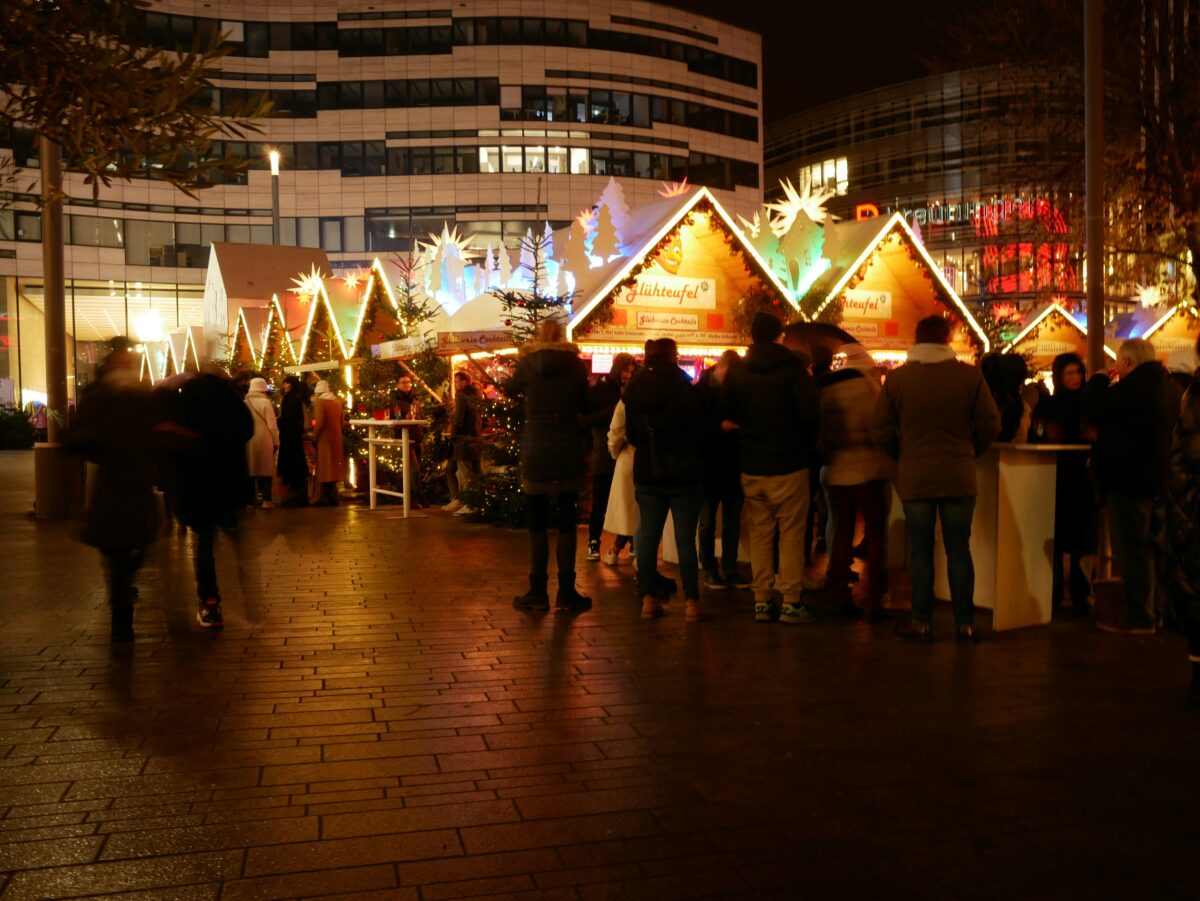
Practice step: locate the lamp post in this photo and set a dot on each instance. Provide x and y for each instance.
(273, 155)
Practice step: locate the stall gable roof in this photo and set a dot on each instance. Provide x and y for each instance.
(340, 323)
(650, 224)
(256, 272)
(857, 241)
(177, 344)
(1041, 316)
(377, 275)
(275, 322)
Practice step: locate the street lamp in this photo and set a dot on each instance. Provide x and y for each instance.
(273, 155)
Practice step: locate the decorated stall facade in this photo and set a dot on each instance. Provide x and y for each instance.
(686, 272)
(878, 282)
(1050, 332)
(1173, 332)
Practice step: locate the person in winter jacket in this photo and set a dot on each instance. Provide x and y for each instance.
(261, 448)
(213, 426)
(1181, 535)
(327, 433)
(934, 416)
(114, 429)
(1058, 419)
(602, 401)
(465, 429)
(407, 405)
(771, 400)
(662, 421)
(722, 481)
(1134, 419)
(857, 471)
(292, 424)
(552, 379)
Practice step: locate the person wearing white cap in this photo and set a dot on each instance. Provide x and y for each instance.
(261, 449)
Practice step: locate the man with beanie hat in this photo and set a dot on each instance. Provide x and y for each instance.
(772, 402)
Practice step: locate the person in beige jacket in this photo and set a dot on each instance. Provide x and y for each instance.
(858, 474)
(934, 416)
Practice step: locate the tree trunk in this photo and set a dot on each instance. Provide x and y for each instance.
(54, 292)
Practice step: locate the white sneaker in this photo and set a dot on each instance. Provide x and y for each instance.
(611, 556)
(453, 507)
(463, 510)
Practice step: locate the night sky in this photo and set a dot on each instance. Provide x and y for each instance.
(819, 50)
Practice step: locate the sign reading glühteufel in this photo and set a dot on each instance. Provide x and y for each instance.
(862, 304)
(666, 291)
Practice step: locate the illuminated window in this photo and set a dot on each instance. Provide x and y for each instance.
(489, 159)
(511, 157)
(535, 159)
(556, 160)
(843, 175)
(579, 161)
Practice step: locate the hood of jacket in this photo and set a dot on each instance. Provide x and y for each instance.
(258, 386)
(767, 356)
(931, 353)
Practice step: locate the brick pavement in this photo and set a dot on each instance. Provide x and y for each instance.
(376, 722)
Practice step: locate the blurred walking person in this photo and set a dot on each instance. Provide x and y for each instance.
(1182, 532)
(327, 433)
(857, 474)
(465, 429)
(662, 420)
(262, 446)
(934, 416)
(292, 424)
(552, 380)
(722, 482)
(214, 426)
(773, 402)
(602, 402)
(114, 429)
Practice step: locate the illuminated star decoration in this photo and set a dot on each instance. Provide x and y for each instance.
(448, 242)
(1149, 295)
(351, 279)
(674, 188)
(308, 285)
(793, 203)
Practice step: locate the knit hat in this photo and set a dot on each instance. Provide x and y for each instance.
(765, 327)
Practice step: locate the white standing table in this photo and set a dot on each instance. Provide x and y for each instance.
(404, 442)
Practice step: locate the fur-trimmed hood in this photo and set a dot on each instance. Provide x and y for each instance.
(533, 347)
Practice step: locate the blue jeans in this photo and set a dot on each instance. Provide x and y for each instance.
(653, 506)
(921, 517)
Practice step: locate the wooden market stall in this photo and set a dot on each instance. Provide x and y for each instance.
(1174, 332)
(688, 273)
(880, 282)
(1050, 332)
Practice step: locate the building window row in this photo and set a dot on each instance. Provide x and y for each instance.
(537, 103)
(607, 107)
(608, 77)
(259, 39)
(663, 26)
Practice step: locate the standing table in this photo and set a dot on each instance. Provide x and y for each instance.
(404, 442)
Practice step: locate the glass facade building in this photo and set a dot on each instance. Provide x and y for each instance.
(392, 117)
(987, 163)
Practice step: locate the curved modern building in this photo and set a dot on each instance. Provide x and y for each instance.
(394, 116)
(987, 163)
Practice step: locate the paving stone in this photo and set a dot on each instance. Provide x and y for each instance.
(376, 722)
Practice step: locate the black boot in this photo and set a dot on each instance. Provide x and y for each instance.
(568, 599)
(122, 622)
(536, 597)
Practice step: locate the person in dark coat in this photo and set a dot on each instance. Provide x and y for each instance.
(1005, 376)
(465, 429)
(772, 399)
(114, 429)
(662, 422)
(407, 405)
(552, 379)
(1134, 419)
(722, 481)
(1058, 419)
(292, 464)
(214, 426)
(1181, 535)
(602, 401)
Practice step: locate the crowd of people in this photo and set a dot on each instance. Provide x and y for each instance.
(799, 442)
(785, 429)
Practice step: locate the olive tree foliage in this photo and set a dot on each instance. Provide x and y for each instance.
(1151, 60)
(80, 74)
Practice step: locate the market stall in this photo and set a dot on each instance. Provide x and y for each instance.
(1050, 332)
(878, 282)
